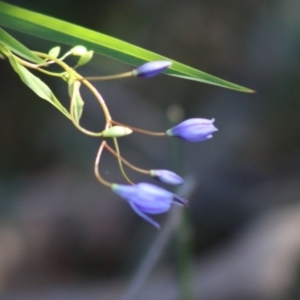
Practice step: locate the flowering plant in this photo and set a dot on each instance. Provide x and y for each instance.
(144, 198)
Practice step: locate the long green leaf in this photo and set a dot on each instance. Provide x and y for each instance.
(18, 48)
(63, 32)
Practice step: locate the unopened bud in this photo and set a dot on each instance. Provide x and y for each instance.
(116, 131)
(151, 68)
(193, 130)
(166, 176)
(54, 52)
(78, 50)
(85, 58)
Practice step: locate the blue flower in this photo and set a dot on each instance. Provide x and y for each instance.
(151, 68)
(166, 177)
(193, 130)
(146, 198)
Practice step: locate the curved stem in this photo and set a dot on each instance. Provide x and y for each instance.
(85, 131)
(96, 166)
(109, 77)
(127, 163)
(120, 161)
(84, 81)
(100, 100)
(36, 67)
(153, 133)
(59, 62)
(76, 123)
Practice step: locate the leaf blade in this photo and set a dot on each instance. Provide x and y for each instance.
(60, 31)
(37, 85)
(16, 47)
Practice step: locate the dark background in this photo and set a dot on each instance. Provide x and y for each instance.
(64, 236)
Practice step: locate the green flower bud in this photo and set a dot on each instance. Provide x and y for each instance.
(151, 68)
(85, 58)
(116, 131)
(54, 52)
(78, 50)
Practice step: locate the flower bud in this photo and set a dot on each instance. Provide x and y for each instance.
(85, 58)
(151, 68)
(78, 50)
(166, 177)
(116, 131)
(146, 198)
(193, 130)
(54, 52)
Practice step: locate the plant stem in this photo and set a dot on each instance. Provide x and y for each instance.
(158, 134)
(127, 163)
(120, 161)
(183, 234)
(74, 120)
(77, 76)
(184, 257)
(96, 166)
(109, 77)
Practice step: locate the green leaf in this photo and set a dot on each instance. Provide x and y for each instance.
(63, 32)
(16, 47)
(76, 100)
(37, 85)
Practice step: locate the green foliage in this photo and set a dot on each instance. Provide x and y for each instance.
(63, 32)
(150, 64)
(76, 99)
(16, 47)
(37, 85)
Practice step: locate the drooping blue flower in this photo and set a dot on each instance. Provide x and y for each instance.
(151, 68)
(166, 177)
(193, 130)
(146, 198)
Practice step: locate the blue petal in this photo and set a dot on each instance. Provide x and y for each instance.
(193, 130)
(146, 198)
(166, 177)
(144, 216)
(152, 68)
(153, 209)
(127, 192)
(152, 199)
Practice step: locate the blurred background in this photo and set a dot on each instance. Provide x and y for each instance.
(64, 236)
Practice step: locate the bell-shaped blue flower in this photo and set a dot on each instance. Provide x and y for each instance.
(193, 130)
(146, 198)
(166, 176)
(151, 68)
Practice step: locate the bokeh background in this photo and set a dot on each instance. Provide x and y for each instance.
(64, 236)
